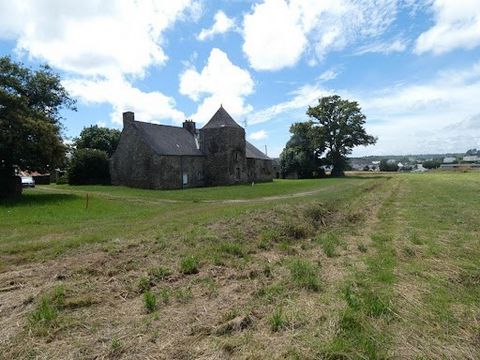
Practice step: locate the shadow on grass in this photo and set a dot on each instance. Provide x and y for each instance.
(28, 199)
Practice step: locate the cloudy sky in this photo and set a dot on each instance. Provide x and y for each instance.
(414, 66)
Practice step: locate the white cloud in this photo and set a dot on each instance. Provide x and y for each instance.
(439, 115)
(148, 106)
(328, 75)
(221, 25)
(219, 82)
(92, 37)
(397, 45)
(457, 25)
(99, 44)
(278, 32)
(302, 97)
(259, 135)
(273, 37)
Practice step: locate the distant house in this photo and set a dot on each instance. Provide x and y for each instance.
(471, 158)
(170, 157)
(449, 160)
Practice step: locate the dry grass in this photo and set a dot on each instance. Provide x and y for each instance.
(263, 287)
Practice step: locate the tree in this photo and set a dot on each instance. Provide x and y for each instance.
(89, 167)
(432, 164)
(388, 165)
(339, 128)
(300, 155)
(101, 138)
(30, 129)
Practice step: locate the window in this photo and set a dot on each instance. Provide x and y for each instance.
(238, 173)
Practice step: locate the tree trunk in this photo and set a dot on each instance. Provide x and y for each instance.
(337, 172)
(10, 185)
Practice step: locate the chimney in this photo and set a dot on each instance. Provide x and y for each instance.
(190, 126)
(128, 118)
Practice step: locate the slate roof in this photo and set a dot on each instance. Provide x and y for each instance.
(253, 153)
(221, 119)
(168, 140)
(175, 140)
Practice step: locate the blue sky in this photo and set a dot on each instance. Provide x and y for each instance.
(413, 66)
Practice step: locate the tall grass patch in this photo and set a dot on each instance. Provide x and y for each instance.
(304, 274)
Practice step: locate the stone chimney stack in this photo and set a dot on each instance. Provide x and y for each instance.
(128, 118)
(190, 126)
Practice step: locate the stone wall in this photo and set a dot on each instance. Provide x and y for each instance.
(130, 165)
(260, 170)
(135, 164)
(225, 161)
(177, 172)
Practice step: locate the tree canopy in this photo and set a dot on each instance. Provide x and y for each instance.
(89, 167)
(387, 165)
(30, 128)
(300, 155)
(335, 127)
(100, 138)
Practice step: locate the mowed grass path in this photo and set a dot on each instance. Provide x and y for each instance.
(368, 267)
(278, 187)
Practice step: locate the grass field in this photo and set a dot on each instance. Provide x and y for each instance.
(384, 266)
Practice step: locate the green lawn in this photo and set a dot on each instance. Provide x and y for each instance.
(257, 190)
(370, 267)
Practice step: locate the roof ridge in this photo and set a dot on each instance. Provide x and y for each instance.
(221, 118)
(150, 123)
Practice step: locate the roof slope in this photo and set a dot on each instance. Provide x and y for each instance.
(221, 119)
(253, 153)
(168, 140)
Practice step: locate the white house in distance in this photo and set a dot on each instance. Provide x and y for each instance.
(471, 158)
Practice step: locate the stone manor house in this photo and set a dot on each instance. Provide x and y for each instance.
(170, 157)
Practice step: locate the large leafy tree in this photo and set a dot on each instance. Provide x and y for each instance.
(300, 155)
(30, 129)
(335, 127)
(339, 127)
(100, 138)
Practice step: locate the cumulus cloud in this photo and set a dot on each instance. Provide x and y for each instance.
(278, 32)
(100, 44)
(457, 25)
(439, 115)
(273, 37)
(221, 25)
(91, 37)
(259, 135)
(219, 82)
(148, 106)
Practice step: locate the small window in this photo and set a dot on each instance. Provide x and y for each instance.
(238, 173)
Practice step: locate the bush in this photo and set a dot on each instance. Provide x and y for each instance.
(431, 164)
(388, 165)
(89, 167)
